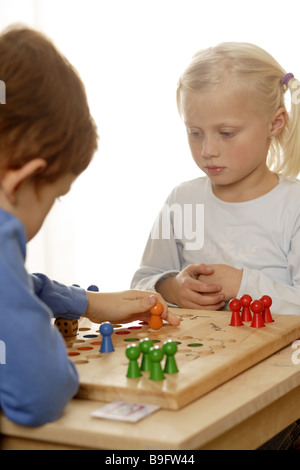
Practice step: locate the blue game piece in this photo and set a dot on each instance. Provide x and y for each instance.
(106, 330)
(93, 288)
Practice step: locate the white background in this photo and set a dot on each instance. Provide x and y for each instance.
(130, 54)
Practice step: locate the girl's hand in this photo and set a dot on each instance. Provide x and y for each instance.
(228, 277)
(187, 290)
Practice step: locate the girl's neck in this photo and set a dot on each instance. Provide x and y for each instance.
(243, 190)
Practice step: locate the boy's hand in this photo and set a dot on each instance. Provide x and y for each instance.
(188, 291)
(125, 307)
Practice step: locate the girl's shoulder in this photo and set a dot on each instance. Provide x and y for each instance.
(190, 191)
(288, 188)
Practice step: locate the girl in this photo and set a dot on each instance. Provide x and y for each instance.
(232, 101)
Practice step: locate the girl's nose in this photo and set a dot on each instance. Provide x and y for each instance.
(210, 148)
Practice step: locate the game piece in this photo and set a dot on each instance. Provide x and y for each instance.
(155, 321)
(246, 312)
(68, 328)
(257, 308)
(170, 349)
(145, 345)
(106, 329)
(93, 288)
(235, 306)
(206, 345)
(266, 315)
(133, 353)
(156, 354)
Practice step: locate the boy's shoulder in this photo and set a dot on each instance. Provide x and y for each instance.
(11, 230)
(6, 218)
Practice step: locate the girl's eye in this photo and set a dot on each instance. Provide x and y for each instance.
(226, 134)
(194, 133)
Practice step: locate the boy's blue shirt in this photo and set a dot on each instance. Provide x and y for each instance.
(37, 379)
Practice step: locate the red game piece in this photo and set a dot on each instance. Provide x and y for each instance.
(155, 321)
(257, 307)
(246, 313)
(266, 315)
(235, 306)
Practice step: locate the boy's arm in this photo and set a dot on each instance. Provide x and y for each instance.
(66, 301)
(37, 379)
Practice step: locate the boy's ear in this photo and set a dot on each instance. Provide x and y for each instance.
(13, 178)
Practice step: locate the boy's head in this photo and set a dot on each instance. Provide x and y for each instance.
(47, 135)
(46, 114)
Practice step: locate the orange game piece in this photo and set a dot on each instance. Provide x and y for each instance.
(155, 321)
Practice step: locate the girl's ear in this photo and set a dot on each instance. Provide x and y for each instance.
(278, 121)
(13, 178)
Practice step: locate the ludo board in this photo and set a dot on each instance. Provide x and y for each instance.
(210, 352)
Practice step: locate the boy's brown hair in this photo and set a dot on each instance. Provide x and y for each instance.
(46, 114)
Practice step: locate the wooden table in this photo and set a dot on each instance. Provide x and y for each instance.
(241, 414)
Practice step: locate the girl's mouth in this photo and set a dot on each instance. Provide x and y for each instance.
(214, 170)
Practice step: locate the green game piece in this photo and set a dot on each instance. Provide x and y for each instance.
(145, 345)
(133, 353)
(170, 349)
(156, 354)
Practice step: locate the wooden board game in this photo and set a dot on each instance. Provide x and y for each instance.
(210, 352)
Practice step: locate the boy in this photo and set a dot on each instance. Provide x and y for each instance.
(47, 138)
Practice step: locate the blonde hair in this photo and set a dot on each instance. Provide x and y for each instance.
(252, 65)
(46, 114)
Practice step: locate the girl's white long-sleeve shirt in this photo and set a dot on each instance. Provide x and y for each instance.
(260, 237)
